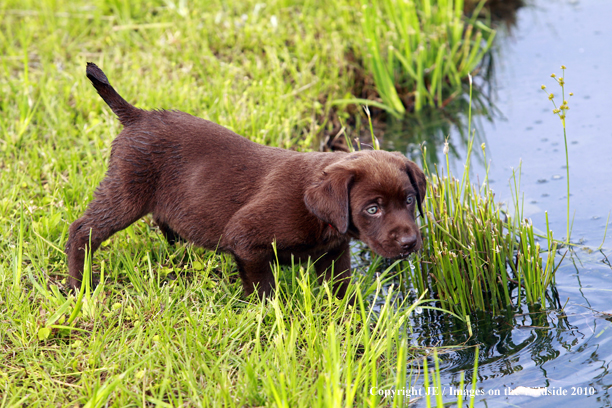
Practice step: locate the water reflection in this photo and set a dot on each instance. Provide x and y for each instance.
(505, 341)
(430, 127)
(503, 13)
(560, 349)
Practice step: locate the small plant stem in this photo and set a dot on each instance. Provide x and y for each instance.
(562, 111)
(470, 106)
(605, 232)
(562, 83)
(374, 141)
(568, 181)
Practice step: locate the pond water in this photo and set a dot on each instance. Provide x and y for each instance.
(568, 351)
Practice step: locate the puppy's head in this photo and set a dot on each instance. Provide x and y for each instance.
(372, 195)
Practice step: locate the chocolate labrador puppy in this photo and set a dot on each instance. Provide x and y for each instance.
(207, 185)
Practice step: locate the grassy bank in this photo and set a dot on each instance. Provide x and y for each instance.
(421, 52)
(169, 325)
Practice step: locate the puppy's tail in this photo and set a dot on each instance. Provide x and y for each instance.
(126, 113)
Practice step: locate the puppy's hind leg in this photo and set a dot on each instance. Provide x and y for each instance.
(335, 266)
(171, 236)
(114, 208)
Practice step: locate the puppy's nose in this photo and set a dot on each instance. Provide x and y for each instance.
(407, 242)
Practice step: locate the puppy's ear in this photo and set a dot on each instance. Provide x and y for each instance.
(328, 198)
(419, 182)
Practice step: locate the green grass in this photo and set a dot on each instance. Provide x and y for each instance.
(169, 326)
(195, 341)
(478, 256)
(420, 52)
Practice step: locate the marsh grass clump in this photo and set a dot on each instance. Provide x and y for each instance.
(420, 51)
(475, 255)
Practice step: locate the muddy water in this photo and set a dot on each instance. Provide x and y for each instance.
(567, 351)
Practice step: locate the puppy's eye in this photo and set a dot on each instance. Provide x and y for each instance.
(410, 200)
(372, 210)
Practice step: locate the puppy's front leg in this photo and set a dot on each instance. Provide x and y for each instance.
(256, 274)
(335, 265)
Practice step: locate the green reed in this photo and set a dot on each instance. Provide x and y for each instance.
(423, 48)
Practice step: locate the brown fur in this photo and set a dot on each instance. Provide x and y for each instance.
(218, 190)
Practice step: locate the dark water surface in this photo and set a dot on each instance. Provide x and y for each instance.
(568, 351)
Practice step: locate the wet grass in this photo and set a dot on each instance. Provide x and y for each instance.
(478, 256)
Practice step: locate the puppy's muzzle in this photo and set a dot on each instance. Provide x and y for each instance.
(407, 244)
